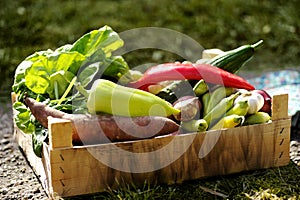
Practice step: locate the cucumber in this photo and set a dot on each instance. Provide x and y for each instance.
(233, 60)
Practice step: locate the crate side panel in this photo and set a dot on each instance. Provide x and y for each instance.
(237, 150)
(234, 150)
(70, 177)
(38, 164)
(282, 142)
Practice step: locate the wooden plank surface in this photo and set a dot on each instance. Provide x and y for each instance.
(60, 133)
(280, 107)
(39, 165)
(78, 171)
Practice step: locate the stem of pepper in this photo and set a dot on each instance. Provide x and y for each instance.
(81, 89)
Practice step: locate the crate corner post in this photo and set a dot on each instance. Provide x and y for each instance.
(60, 133)
(282, 130)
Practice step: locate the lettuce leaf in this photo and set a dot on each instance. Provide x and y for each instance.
(23, 118)
(38, 76)
(104, 38)
(45, 76)
(95, 46)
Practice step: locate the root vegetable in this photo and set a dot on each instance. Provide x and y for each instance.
(41, 111)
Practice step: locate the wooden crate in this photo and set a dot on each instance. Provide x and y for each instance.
(67, 170)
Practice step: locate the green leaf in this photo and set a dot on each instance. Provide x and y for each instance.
(38, 76)
(64, 61)
(21, 69)
(104, 38)
(114, 67)
(88, 74)
(36, 71)
(38, 139)
(62, 79)
(23, 118)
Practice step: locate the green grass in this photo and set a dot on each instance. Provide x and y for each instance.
(27, 26)
(274, 183)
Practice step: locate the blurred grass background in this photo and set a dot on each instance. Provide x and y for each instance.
(27, 26)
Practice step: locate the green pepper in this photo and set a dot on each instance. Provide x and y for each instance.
(108, 97)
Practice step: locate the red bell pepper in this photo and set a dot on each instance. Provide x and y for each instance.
(180, 71)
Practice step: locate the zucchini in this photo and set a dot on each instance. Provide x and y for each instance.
(233, 60)
(257, 118)
(175, 90)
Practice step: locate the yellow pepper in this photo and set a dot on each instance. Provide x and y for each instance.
(108, 97)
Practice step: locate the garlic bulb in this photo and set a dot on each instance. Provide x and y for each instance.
(255, 100)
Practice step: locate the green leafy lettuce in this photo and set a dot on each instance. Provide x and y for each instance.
(48, 76)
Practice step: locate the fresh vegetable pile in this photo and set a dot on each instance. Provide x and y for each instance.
(86, 84)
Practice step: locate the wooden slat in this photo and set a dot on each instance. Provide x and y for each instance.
(280, 107)
(282, 130)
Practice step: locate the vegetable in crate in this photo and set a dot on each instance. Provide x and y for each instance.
(108, 97)
(49, 76)
(267, 101)
(217, 95)
(229, 121)
(233, 60)
(255, 100)
(92, 129)
(200, 88)
(175, 90)
(219, 111)
(182, 71)
(257, 118)
(239, 108)
(195, 125)
(189, 107)
(205, 102)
